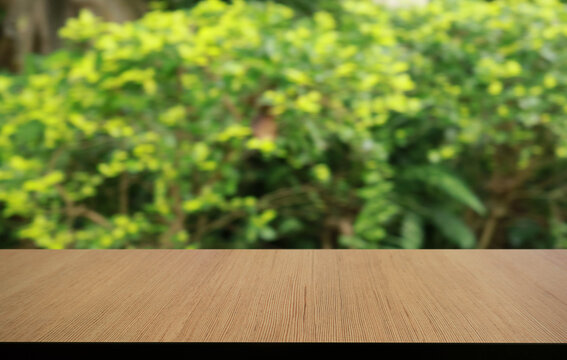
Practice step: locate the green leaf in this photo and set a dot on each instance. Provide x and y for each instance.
(442, 179)
(268, 234)
(412, 231)
(290, 225)
(354, 242)
(453, 228)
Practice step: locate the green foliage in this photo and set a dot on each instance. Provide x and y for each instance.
(306, 7)
(442, 180)
(245, 125)
(492, 79)
(412, 231)
(453, 228)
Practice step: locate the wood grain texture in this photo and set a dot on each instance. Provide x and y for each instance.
(284, 295)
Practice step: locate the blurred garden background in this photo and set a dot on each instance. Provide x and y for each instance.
(291, 124)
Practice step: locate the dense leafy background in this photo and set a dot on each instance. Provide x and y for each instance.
(254, 125)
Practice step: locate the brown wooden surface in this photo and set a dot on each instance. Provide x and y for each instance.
(284, 295)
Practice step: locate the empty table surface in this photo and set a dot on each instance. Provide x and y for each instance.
(284, 295)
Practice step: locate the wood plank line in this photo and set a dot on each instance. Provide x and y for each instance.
(284, 295)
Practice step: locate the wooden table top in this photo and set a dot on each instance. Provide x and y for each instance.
(284, 295)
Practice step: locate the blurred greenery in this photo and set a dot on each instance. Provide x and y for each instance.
(303, 7)
(255, 124)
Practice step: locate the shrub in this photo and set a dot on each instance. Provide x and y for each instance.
(244, 125)
(492, 80)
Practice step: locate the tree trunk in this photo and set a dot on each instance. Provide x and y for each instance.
(32, 26)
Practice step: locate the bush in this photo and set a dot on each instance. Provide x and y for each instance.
(492, 80)
(245, 125)
(305, 7)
